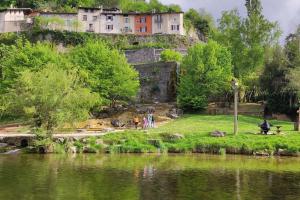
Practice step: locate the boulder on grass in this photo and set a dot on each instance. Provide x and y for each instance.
(218, 134)
(170, 137)
(174, 113)
(117, 123)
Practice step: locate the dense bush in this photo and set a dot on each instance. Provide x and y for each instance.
(170, 55)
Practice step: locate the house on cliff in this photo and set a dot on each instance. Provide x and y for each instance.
(114, 21)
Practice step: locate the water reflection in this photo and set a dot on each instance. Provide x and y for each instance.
(148, 177)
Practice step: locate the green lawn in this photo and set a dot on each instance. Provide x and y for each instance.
(204, 124)
(196, 130)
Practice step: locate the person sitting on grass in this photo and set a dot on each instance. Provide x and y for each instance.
(265, 127)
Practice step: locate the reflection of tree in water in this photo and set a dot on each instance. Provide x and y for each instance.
(55, 177)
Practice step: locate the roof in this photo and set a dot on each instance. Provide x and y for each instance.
(58, 13)
(90, 8)
(100, 8)
(14, 9)
(151, 13)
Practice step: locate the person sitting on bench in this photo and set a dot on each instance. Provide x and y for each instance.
(265, 127)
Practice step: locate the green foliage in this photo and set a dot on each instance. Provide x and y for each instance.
(196, 129)
(25, 55)
(170, 55)
(274, 82)
(280, 78)
(205, 71)
(122, 42)
(294, 82)
(142, 6)
(51, 97)
(202, 21)
(108, 72)
(247, 38)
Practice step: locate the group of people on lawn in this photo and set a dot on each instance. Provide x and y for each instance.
(148, 121)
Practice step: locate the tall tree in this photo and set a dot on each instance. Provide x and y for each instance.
(51, 97)
(25, 55)
(206, 71)
(108, 72)
(247, 38)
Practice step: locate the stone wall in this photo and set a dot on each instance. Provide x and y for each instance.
(158, 82)
(147, 55)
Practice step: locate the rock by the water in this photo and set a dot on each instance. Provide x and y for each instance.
(3, 145)
(99, 142)
(73, 149)
(87, 149)
(218, 134)
(60, 140)
(14, 151)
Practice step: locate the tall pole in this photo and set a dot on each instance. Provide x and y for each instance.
(235, 90)
(297, 126)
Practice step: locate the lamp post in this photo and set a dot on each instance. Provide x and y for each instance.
(297, 124)
(235, 90)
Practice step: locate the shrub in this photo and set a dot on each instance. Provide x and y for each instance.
(169, 55)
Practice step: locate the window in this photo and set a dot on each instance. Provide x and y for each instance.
(109, 18)
(127, 20)
(143, 29)
(91, 28)
(95, 18)
(159, 26)
(84, 18)
(109, 27)
(68, 23)
(126, 29)
(175, 27)
(143, 20)
(158, 19)
(86, 10)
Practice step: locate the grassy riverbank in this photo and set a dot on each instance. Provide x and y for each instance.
(195, 130)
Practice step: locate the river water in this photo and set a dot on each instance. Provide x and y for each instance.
(146, 177)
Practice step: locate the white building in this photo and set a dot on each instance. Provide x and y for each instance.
(97, 20)
(14, 19)
(168, 23)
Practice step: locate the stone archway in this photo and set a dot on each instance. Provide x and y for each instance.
(24, 143)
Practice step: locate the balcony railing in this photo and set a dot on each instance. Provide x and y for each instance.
(158, 21)
(90, 30)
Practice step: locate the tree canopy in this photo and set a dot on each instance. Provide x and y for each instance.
(108, 72)
(206, 71)
(170, 55)
(51, 97)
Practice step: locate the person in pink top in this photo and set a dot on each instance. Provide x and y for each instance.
(145, 122)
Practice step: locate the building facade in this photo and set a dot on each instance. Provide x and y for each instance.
(98, 20)
(143, 24)
(14, 19)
